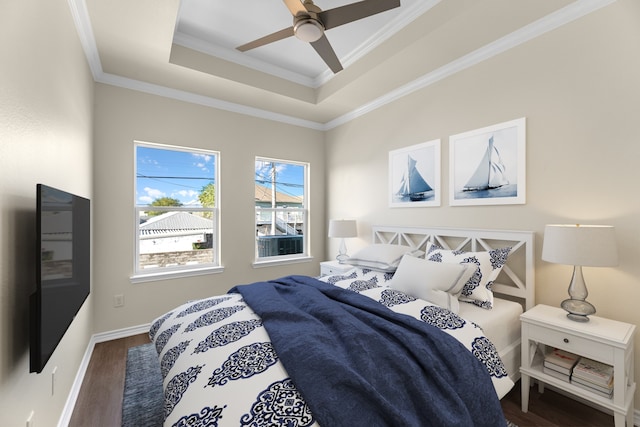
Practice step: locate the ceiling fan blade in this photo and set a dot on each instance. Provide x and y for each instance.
(352, 12)
(295, 7)
(274, 37)
(324, 49)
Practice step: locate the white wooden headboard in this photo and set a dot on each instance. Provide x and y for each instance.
(517, 279)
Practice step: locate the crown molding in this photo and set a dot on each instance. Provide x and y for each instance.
(239, 58)
(550, 22)
(180, 95)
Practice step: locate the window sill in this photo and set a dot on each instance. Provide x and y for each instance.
(271, 263)
(175, 274)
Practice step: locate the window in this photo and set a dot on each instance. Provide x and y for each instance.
(281, 210)
(176, 209)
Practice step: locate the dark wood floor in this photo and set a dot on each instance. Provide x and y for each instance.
(99, 402)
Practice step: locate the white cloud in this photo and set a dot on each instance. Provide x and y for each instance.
(186, 193)
(154, 193)
(205, 159)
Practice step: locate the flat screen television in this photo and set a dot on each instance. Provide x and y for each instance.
(63, 258)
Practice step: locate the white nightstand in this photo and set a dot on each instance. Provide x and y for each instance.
(604, 340)
(333, 267)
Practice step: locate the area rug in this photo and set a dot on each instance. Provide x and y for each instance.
(143, 396)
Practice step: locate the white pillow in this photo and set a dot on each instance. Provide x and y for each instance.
(488, 265)
(382, 256)
(435, 282)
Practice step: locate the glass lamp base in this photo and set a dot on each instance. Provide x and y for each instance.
(578, 309)
(342, 258)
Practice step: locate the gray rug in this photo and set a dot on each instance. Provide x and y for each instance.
(143, 396)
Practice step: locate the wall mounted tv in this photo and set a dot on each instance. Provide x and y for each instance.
(63, 258)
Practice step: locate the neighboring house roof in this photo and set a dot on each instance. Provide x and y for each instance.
(263, 194)
(173, 222)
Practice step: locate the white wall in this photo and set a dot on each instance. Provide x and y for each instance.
(123, 116)
(46, 97)
(579, 89)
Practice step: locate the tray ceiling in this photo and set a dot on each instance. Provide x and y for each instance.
(186, 50)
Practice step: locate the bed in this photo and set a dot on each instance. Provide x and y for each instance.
(354, 345)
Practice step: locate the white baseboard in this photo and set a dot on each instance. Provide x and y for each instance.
(122, 333)
(67, 411)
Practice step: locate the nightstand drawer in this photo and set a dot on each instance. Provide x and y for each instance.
(571, 343)
(329, 268)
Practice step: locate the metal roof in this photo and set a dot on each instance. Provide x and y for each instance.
(174, 222)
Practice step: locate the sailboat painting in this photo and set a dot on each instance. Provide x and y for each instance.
(487, 166)
(414, 175)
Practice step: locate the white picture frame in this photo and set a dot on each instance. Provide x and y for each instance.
(487, 166)
(416, 166)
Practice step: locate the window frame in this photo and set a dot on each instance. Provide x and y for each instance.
(305, 256)
(142, 275)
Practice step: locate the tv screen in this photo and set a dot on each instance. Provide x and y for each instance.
(63, 232)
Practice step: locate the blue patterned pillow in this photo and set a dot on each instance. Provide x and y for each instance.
(477, 290)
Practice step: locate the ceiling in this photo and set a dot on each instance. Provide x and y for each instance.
(219, 27)
(186, 50)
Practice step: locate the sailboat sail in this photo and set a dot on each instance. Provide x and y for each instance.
(413, 185)
(490, 172)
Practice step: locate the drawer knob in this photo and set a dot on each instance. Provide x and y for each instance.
(566, 340)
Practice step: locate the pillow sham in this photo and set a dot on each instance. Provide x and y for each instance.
(382, 256)
(488, 264)
(435, 282)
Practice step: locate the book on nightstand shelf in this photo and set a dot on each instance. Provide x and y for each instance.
(556, 374)
(593, 376)
(596, 372)
(602, 390)
(559, 363)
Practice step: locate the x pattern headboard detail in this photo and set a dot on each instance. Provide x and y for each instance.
(517, 279)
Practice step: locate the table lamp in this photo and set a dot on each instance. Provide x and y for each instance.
(580, 245)
(342, 228)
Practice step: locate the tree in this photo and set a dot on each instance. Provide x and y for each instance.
(163, 201)
(207, 198)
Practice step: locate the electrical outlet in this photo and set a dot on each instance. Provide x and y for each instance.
(118, 300)
(53, 380)
(31, 422)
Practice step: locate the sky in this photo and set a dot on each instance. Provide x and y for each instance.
(182, 175)
(172, 173)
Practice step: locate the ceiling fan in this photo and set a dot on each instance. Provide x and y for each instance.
(310, 23)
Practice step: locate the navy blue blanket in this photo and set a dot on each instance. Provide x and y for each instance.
(357, 363)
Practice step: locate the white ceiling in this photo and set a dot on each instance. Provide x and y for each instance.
(185, 49)
(218, 27)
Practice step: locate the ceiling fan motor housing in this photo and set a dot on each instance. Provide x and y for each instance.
(308, 29)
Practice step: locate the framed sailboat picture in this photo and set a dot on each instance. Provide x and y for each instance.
(414, 175)
(487, 166)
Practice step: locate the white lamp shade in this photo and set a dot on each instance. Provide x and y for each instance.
(343, 228)
(585, 245)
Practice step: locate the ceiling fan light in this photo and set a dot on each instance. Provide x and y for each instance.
(308, 30)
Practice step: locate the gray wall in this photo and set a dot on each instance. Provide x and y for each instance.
(123, 116)
(46, 98)
(578, 88)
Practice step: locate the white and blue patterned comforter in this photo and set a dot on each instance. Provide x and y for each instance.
(220, 369)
